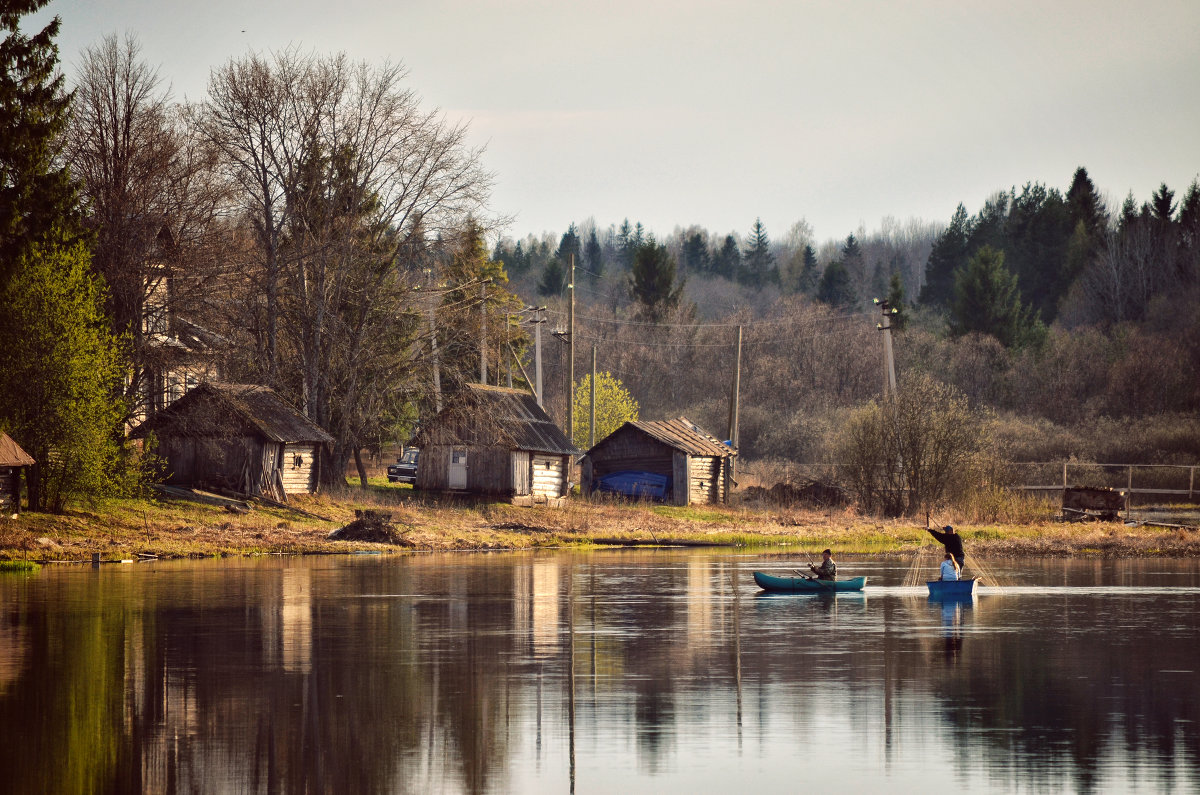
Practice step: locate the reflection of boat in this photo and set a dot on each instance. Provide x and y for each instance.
(804, 585)
(952, 589)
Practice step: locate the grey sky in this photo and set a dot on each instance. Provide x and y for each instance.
(673, 113)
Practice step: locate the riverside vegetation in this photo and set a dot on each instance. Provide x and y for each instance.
(125, 529)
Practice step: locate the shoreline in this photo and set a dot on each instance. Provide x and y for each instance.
(173, 529)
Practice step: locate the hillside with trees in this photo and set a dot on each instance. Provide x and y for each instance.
(311, 226)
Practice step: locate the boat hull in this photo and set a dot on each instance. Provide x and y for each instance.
(769, 582)
(952, 588)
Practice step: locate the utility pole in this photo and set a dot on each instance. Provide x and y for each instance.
(592, 422)
(571, 353)
(483, 332)
(889, 362)
(537, 322)
(507, 346)
(733, 412)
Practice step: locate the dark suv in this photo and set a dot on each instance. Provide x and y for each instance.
(405, 468)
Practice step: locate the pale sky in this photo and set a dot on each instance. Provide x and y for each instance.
(840, 112)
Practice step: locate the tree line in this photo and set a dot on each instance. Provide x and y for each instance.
(307, 225)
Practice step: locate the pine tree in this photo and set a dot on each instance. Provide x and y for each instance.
(37, 202)
(570, 246)
(727, 261)
(593, 257)
(835, 288)
(948, 255)
(986, 300)
(652, 282)
(895, 300)
(758, 262)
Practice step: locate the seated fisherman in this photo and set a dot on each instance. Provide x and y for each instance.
(827, 570)
(949, 568)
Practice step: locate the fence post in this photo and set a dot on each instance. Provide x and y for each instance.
(1129, 492)
(1064, 478)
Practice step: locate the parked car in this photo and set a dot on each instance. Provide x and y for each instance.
(405, 468)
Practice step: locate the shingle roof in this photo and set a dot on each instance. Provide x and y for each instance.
(681, 434)
(209, 408)
(11, 454)
(495, 415)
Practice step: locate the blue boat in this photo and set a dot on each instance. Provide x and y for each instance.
(635, 484)
(952, 589)
(769, 582)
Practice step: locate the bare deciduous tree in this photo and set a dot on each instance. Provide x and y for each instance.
(339, 176)
(151, 202)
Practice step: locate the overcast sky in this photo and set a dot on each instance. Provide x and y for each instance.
(840, 112)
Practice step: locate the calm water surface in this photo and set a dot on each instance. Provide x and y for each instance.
(630, 672)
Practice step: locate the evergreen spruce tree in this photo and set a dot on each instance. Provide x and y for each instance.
(835, 288)
(652, 282)
(986, 300)
(948, 255)
(758, 261)
(895, 300)
(37, 202)
(593, 257)
(728, 260)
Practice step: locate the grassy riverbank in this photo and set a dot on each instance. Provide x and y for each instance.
(122, 529)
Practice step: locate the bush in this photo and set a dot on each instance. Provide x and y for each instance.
(903, 456)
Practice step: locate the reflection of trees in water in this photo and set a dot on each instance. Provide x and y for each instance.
(415, 676)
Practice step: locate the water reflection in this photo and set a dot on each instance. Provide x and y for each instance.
(638, 671)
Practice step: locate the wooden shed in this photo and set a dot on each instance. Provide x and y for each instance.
(240, 437)
(695, 464)
(498, 441)
(12, 460)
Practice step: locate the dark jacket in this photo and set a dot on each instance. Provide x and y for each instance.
(826, 571)
(952, 542)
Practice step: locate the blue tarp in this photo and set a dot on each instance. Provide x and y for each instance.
(632, 483)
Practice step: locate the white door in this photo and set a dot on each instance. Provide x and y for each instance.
(458, 468)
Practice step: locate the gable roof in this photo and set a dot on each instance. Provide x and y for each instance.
(11, 454)
(213, 409)
(681, 434)
(496, 416)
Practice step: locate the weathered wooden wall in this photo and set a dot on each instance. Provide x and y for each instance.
(706, 481)
(629, 449)
(10, 485)
(299, 468)
(548, 477)
(489, 469)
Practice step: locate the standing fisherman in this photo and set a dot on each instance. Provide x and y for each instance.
(952, 541)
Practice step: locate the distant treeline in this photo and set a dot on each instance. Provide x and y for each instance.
(1077, 324)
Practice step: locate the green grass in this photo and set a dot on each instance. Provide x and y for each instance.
(690, 513)
(18, 565)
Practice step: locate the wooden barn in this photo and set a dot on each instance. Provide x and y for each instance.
(692, 466)
(239, 437)
(12, 460)
(498, 441)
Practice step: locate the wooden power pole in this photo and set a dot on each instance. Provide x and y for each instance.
(889, 362)
(734, 397)
(571, 353)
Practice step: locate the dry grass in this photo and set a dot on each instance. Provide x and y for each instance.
(128, 528)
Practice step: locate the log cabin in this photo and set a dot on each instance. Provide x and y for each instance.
(239, 437)
(692, 465)
(12, 460)
(495, 441)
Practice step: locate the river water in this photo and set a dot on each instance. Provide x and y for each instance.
(624, 671)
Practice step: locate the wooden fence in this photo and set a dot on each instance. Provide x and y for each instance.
(1157, 480)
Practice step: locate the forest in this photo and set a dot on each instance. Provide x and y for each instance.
(309, 225)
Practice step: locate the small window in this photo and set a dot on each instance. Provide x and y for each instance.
(297, 461)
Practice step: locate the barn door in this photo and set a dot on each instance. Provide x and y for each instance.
(520, 472)
(457, 476)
